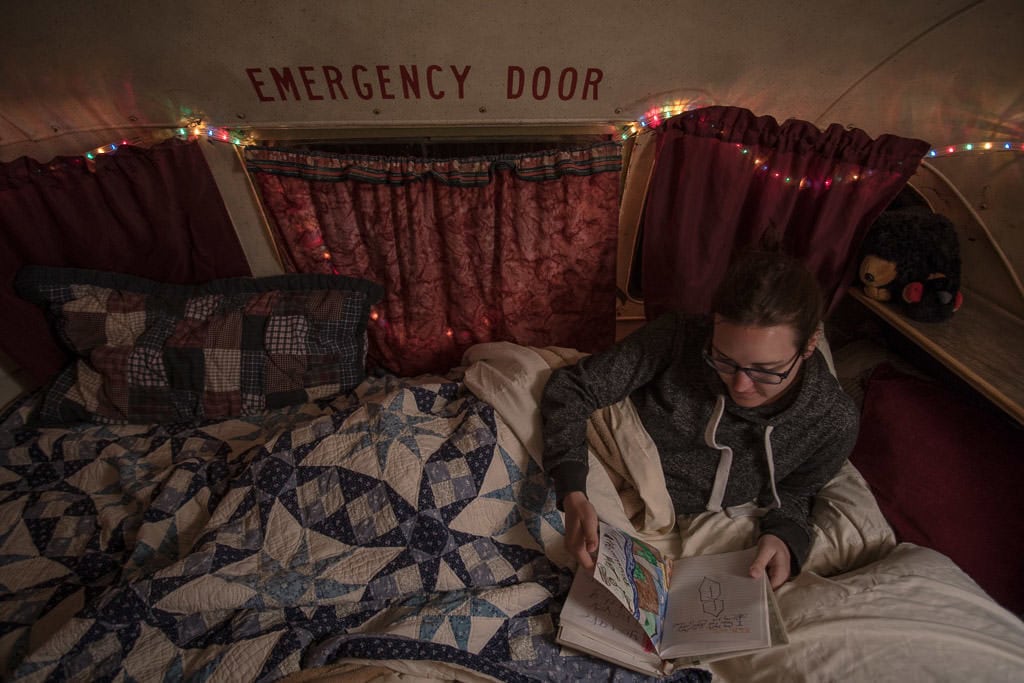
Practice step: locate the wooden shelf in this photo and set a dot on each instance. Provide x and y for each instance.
(982, 343)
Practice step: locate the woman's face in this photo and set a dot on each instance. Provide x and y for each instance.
(771, 348)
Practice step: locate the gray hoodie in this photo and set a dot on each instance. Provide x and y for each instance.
(770, 461)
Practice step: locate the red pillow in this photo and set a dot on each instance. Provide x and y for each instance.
(947, 475)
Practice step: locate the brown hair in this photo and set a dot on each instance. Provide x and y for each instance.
(770, 288)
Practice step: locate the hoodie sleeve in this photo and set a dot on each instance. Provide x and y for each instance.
(792, 521)
(573, 393)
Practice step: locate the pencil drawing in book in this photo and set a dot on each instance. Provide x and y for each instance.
(643, 610)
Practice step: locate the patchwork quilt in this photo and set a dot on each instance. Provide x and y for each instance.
(390, 525)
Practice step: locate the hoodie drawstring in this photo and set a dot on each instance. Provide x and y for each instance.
(724, 459)
(725, 465)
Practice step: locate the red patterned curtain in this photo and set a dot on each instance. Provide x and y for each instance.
(725, 180)
(505, 248)
(155, 213)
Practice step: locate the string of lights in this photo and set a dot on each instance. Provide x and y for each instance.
(651, 119)
(191, 131)
(198, 129)
(655, 116)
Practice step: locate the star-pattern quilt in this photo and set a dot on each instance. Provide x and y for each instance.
(387, 525)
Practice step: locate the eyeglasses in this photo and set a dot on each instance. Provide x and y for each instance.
(727, 367)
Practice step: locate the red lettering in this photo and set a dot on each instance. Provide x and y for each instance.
(461, 79)
(323, 82)
(410, 81)
(562, 94)
(308, 82)
(546, 72)
(332, 75)
(594, 77)
(363, 90)
(283, 80)
(384, 94)
(518, 76)
(257, 85)
(430, 82)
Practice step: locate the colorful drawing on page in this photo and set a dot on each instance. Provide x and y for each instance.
(637, 575)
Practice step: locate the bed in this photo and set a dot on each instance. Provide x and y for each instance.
(389, 528)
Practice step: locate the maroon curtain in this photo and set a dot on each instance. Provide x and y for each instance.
(152, 212)
(726, 180)
(516, 248)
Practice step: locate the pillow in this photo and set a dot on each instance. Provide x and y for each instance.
(149, 352)
(946, 475)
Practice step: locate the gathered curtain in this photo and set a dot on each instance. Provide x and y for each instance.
(725, 180)
(154, 212)
(516, 248)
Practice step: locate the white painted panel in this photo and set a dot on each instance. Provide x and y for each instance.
(78, 75)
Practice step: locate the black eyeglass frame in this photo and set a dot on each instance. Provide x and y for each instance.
(731, 368)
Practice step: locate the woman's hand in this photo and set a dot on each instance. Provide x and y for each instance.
(773, 556)
(580, 527)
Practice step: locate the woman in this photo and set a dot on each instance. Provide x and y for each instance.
(742, 408)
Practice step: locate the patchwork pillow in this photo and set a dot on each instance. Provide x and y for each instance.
(148, 352)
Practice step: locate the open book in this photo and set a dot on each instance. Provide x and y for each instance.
(648, 613)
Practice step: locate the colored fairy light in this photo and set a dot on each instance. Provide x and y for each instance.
(764, 165)
(974, 147)
(655, 116)
(192, 130)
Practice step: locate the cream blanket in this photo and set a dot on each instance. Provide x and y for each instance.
(864, 608)
(625, 483)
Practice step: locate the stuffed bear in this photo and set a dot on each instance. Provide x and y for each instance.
(912, 256)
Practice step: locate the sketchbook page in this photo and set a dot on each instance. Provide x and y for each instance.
(595, 622)
(637, 575)
(715, 606)
(777, 634)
